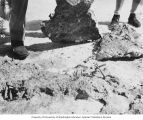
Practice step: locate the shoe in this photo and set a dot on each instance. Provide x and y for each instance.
(4, 27)
(114, 21)
(20, 52)
(132, 20)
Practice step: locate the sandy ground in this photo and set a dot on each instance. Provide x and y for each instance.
(37, 43)
(124, 91)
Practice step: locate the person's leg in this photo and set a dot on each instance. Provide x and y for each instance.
(17, 26)
(116, 16)
(135, 5)
(132, 18)
(119, 4)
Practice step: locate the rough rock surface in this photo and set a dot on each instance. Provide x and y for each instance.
(107, 87)
(122, 42)
(19, 80)
(89, 89)
(72, 22)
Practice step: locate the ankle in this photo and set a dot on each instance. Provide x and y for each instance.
(132, 14)
(116, 17)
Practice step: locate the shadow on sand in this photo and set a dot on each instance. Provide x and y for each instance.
(40, 47)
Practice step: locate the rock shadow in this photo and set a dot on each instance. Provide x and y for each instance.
(50, 46)
(121, 59)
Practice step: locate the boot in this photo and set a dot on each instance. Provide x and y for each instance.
(19, 50)
(114, 21)
(132, 20)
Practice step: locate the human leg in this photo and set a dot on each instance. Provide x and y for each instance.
(17, 26)
(119, 4)
(116, 16)
(132, 20)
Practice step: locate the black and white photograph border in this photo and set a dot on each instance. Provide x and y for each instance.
(73, 59)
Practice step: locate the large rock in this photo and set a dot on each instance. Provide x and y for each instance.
(122, 43)
(72, 22)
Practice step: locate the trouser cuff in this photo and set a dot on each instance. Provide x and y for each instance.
(15, 43)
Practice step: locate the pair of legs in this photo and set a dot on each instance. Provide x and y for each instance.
(132, 18)
(119, 4)
(17, 14)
